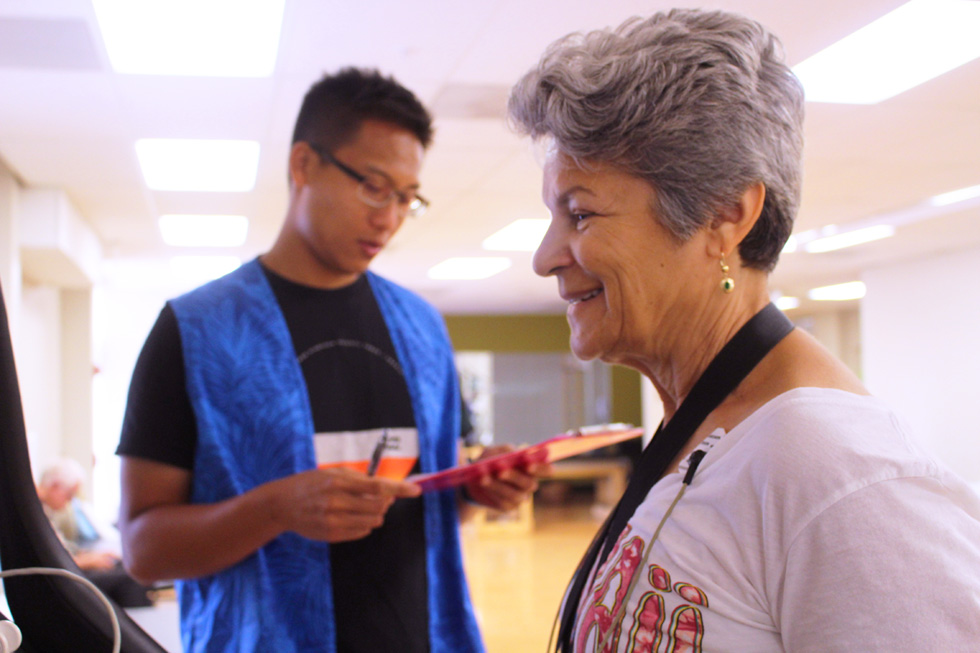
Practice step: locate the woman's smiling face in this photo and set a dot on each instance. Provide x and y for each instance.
(625, 277)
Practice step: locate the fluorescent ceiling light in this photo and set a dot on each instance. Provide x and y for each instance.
(198, 165)
(523, 235)
(920, 40)
(935, 207)
(787, 303)
(839, 292)
(461, 268)
(204, 230)
(210, 38)
(849, 238)
(203, 268)
(956, 196)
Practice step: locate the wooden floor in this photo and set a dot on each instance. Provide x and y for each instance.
(517, 579)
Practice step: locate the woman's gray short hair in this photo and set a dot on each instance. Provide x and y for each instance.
(698, 103)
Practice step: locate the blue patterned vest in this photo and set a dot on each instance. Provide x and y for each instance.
(255, 425)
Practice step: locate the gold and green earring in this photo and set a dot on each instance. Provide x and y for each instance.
(727, 283)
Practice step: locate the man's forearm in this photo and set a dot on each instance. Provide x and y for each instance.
(190, 540)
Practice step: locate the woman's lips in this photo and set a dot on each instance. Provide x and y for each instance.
(586, 297)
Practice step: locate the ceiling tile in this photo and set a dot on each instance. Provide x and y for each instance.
(55, 44)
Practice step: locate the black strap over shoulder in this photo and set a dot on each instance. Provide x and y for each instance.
(733, 363)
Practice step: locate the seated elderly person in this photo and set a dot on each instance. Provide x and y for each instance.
(92, 550)
(779, 506)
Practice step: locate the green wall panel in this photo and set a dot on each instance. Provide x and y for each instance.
(540, 333)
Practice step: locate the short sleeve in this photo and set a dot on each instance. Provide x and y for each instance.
(894, 566)
(159, 422)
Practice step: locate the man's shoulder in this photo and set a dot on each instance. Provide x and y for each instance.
(388, 292)
(246, 273)
(243, 286)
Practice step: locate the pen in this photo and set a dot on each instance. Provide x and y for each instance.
(376, 454)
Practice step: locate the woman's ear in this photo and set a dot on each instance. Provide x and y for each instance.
(733, 224)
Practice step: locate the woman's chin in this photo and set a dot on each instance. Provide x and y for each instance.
(585, 346)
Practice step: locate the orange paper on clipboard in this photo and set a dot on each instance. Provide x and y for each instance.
(556, 448)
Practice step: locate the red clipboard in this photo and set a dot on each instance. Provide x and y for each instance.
(548, 451)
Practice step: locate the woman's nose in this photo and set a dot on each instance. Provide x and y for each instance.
(552, 254)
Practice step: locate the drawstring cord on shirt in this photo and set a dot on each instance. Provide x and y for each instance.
(695, 460)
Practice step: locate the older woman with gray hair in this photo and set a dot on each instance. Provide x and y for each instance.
(779, 506)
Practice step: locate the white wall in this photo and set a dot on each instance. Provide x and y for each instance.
(53, 351)
(123, 318)
(76, 376)
(10, 275)
(50, 320)
(921, 351)
(38, 354)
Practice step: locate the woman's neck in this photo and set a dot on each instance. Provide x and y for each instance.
(675, 366)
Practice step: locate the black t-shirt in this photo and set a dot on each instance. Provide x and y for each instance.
(355, 384)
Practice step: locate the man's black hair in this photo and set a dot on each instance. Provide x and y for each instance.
(335, 107)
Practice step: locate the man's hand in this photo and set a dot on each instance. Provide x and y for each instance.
(335, 505)
(506, 489)
(166, 536)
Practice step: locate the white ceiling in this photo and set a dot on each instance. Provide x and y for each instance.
(67, 121)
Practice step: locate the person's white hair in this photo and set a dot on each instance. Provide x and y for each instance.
(65, 472)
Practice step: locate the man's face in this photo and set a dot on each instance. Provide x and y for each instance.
(342, 234)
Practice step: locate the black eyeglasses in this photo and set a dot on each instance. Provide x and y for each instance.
(375, 190)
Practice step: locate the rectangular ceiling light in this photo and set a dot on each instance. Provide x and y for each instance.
(839, 292)
(920, 40)
(469, 268)
(849, 238)
(203, 38)
(523, 235)
(198, 165)
(787, 303)
(956, 196)
(188, 230)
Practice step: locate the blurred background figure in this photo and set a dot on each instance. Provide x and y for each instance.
(94, 547)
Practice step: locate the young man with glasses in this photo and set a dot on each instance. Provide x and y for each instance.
(259, 399)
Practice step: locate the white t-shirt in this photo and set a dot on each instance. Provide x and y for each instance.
(814, 525)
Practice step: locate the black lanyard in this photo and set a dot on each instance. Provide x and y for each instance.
(732, 364)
